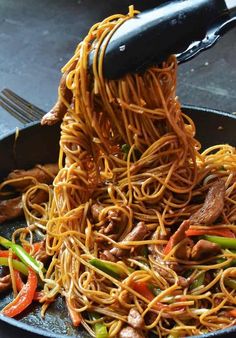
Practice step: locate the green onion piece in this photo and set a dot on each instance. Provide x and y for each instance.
(173, 334)
(111, 269)
(144, 251)
(16, 265)
(21, 254)
(230, 283)
(99, 327)
(225, 243)
(221, 260)
(156, 291)
(198, 281)
(125, 148)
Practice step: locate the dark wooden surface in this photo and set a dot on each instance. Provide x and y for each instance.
(38, 37)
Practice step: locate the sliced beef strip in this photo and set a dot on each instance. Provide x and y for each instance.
(42, 173)
(212, 206)
(112, 224)
(153, 248)
(184, 251)
(130, 332)
(5, 283)
(13, 208)
(139, 232)
(179, 234)
(205, 249)
(58, 111)
(96, 210)
(181, 281)
(135, 319)
(107, 256)
(42, 255)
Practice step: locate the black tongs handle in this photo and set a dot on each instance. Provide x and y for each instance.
(182, 27)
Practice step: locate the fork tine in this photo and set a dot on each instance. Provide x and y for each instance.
(13, 111)
(34, 112)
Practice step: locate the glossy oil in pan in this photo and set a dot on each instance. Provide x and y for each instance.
(37, 144)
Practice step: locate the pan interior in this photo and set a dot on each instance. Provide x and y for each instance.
(56, 319)
(40, 145)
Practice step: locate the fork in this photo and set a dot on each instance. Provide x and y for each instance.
(18, 107)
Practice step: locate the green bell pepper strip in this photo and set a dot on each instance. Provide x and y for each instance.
(21, 267)
(198, 281)
(156, 291)
(21, 254)
(223, 242)
(230, 283)
(125, 148)
(173, 334)
(99, 327)
(111, 269)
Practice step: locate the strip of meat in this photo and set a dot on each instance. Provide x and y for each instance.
(205, 249)
(135, 319)
(184, 251)
(182, 281)
(96, 210)
(107, 256)
(13, 208)
(130, 332)
(42, 255)
(138, 233)
(111, 226)
(213, 205)
(154, 248)
(5, 283)
(42, 173)
(178, 236)
(59, 109)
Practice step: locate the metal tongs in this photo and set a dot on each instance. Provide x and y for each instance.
(181, 27)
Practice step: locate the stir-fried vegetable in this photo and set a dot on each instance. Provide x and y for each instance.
(24, 297)
(173, 334)
(20, 284)
(156, 291)
(198, 281)
(225, 243)
(74, 315)
(111, 269)
(232, 313)
(6, 253)
(216, 232)
(143, 289)
(99, 327)
(125, 148)
(22, 254)
(16, 265)
(230, 283)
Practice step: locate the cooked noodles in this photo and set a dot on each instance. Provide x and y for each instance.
(130, 174)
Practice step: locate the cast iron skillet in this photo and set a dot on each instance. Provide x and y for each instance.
(37, 144)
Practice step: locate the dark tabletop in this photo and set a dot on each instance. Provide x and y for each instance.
(38, 37)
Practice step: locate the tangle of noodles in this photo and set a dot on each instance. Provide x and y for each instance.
(159, 180)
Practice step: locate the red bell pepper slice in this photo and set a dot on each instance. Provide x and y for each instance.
(142, 288)
(24, 297)
(216, 232)
(5, 253)
(232, 313)
(20, 284)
